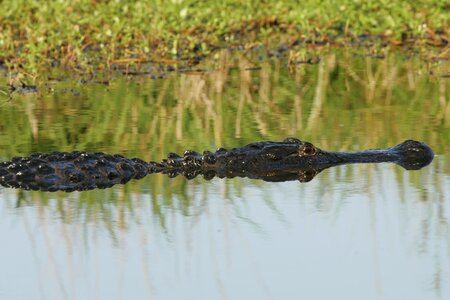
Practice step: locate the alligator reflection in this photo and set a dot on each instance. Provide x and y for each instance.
(290, 159)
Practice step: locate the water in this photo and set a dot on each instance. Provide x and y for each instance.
(353, 232)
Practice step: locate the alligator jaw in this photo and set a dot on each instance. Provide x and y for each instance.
(411, 155)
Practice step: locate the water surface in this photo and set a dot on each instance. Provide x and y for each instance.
(354, 232)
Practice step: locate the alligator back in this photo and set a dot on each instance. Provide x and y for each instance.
(70, 171)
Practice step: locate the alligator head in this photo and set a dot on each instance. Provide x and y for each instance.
(290, 159)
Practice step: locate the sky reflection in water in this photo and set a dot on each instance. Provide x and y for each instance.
(354, 232)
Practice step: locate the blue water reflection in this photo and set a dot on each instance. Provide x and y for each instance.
(355, 232)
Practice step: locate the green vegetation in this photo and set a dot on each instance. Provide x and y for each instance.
(232, 106)
(91, 34)
(344, 103)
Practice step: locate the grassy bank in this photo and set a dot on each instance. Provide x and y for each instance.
(38, 34)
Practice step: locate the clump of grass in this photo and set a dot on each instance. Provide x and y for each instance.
(38, 34)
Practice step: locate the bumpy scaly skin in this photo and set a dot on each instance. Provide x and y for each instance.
(271, 161)
(70, 171)
(290, 159)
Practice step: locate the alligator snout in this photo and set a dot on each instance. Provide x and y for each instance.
(413, 155)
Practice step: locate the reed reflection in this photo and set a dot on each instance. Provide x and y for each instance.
(345, 103)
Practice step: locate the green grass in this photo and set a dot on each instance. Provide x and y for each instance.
(35, 34)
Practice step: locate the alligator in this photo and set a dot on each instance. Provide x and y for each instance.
(70, 171)
(290, 159)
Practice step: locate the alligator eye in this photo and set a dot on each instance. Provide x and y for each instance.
(307, 175)
(308, 149)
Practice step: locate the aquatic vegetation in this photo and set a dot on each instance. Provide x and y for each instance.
(88, 35)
